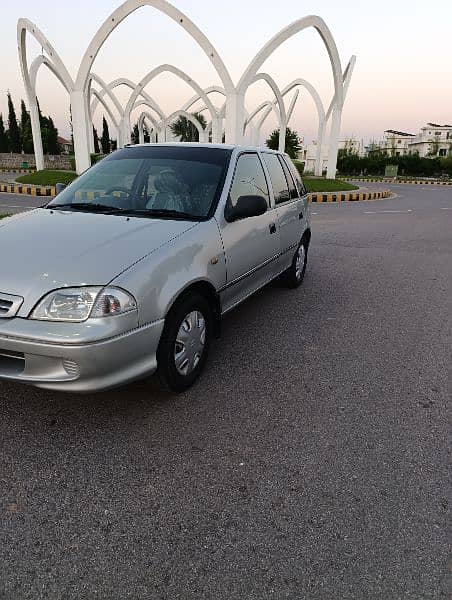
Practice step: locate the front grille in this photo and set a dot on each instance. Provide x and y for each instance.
(9, 305)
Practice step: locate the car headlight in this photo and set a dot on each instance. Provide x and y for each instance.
(78, 304)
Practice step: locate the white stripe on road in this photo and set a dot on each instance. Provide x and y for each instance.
(378, 212)
(448, 208)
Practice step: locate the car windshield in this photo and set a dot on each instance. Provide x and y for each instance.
(151, 181)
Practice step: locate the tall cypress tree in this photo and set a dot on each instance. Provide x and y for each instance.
(105, 139)
(96, 141)
(4, 142)
(52, 139)
(15, 144)
(25, 129)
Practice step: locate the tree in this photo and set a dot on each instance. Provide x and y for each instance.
(15, 144)
(53, 146)
(96, 141)
(184, 129)
(135, 136)
(4, 142)
(25, 129)
(49, 134)
(105, 139)
(293, 142)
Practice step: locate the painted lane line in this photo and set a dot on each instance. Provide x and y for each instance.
(378, 212)
(447, 208)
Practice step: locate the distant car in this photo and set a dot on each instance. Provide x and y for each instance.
(129, 270)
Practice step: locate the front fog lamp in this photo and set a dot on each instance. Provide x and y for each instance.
(77, 304)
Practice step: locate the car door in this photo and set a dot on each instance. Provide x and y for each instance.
(289, 206)
(251, 245)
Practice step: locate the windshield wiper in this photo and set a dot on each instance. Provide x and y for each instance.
(92, 206)
(162, 212)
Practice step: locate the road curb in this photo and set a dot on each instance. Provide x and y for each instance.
(411, 182)
(29, 190)
(349, 196)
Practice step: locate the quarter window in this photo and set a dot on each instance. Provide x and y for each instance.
(296, 175)
(278, 179)
(249, 179)
(293, 193)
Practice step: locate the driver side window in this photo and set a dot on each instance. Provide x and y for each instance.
(249, 179)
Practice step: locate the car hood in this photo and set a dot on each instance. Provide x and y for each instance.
(44, 250)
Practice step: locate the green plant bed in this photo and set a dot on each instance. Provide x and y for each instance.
(318, 184)
(48, 177)
(3, 216)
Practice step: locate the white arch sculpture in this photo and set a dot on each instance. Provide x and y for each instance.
(233, 112)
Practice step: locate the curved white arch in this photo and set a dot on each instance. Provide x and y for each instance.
(107, 109)
(282, 116)
(168, 9)
(146, 115)
(130, 84)
(189, 117)
(166, 68)
(106, 91)
(257, 110)
(210, 90)
(285, 34)
(56, 65)
(36, 65)
(24, 26)
(233, 109)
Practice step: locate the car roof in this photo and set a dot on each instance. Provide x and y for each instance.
(205, 145)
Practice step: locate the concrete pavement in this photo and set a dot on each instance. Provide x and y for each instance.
(310, 462)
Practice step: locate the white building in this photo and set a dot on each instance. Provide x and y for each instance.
(433, 140)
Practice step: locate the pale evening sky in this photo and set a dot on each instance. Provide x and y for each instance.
(402, 79)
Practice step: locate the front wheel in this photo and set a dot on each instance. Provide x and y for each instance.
(294, 275)
(185, 341)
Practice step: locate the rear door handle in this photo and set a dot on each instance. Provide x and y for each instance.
(300, 215)
(272, 228)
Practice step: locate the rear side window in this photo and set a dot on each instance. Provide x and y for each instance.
(293, 191)
(278, 179)
(249, 179)
(296, 175)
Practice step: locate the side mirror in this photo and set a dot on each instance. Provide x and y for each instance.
(59, 187)
(247, 206)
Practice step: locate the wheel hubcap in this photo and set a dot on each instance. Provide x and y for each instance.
(190, 342)
(299, 262)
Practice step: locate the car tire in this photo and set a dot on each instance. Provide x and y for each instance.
(294, 275)
(185, 342)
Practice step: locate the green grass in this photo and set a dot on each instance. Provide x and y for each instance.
(48, 177)
(318, 184)
(3, 216)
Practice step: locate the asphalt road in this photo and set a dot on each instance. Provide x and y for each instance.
(11, 204)
(310, 462)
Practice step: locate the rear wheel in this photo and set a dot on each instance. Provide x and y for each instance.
(294, 275)
(185, 342)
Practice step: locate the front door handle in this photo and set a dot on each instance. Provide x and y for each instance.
(272, 228)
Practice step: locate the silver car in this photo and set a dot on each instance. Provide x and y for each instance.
(129, 270)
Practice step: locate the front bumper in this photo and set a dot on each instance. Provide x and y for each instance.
(75, 357)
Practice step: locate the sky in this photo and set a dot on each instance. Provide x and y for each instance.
(402, 78)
